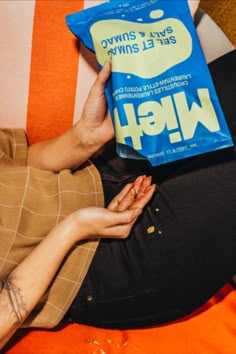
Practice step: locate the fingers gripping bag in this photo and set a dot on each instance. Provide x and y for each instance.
(160, 94)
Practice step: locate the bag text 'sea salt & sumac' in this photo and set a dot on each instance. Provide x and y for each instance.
(160, 94)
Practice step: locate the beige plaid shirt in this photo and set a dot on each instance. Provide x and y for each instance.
(32, 202)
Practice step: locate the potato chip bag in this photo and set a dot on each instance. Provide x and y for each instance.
(161, 97)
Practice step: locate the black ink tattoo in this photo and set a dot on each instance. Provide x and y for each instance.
(16, 301)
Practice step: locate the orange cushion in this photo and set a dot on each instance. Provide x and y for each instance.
(212, 330)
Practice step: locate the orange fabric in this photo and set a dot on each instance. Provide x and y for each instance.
(54, 65)
(213, 330)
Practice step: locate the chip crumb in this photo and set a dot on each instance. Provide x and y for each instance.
(148, 188)
(133, 194)
(125, 343)
(96, 342)
(108, 340)
(157, 209)
(93, 341)
(150, 229)
(160, 232)
(101, 351)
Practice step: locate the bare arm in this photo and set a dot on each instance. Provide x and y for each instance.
(24, 287)
(26, 284)
(80, 142)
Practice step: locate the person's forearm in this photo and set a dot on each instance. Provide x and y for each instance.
(24, 287)
(21, 291)
(69, 150)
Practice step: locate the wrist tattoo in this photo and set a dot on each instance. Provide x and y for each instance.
(15, 301)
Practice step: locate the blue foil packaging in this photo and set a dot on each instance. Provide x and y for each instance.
(161, 97)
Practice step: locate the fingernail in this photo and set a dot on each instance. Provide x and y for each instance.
(105, 65)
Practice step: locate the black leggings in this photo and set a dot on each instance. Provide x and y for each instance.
(153, 278)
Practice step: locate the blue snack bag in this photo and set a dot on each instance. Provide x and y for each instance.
(161, 97)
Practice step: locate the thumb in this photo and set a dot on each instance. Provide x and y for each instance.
(103, 76)
(124, 217)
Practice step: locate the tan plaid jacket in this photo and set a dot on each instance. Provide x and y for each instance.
(32, 202)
